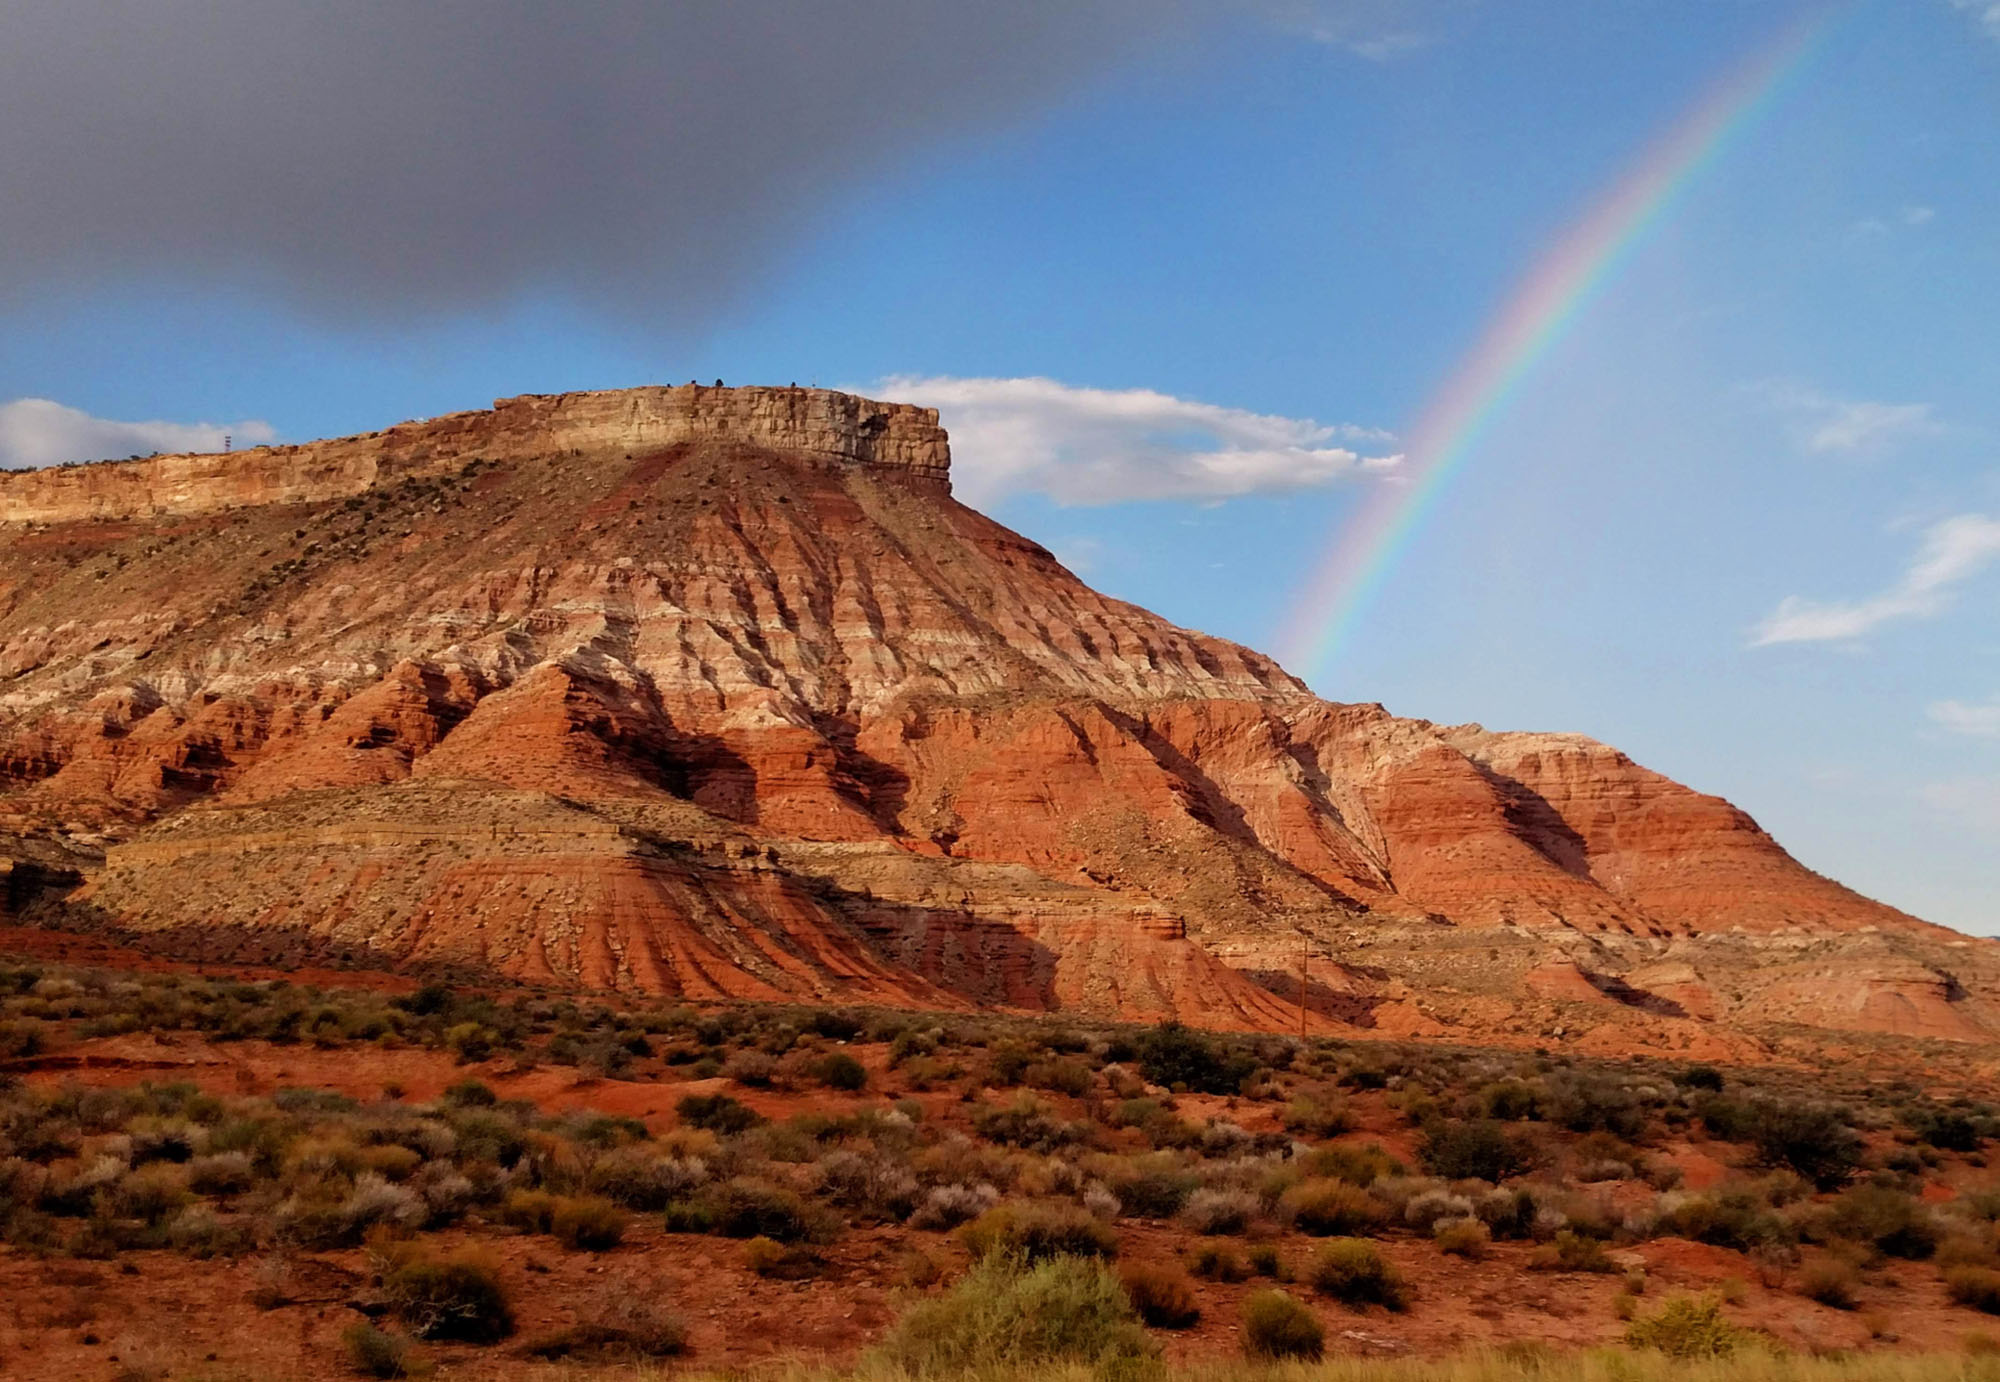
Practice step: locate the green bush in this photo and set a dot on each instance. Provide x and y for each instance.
(1180, 1058)
(1324, 1208)
(1362, 1165)
(1005, 1315)
(1572, 1252)
(1477, 1150)
(1811, 1139)
(1355, 1273)
(588, 1223)
(1978, 1287)
(374, 1352)
(1037, 1233)
(1276, 1326)
(1734, 1219)
(1318, 1116)
(1155, 1188)
(717, 1113)
(1889, 1221)
(458, 1298)
(1830, 1282)
(1217, 1262)
(838, 1070)
(1947, 1129)
(745, 1208)
(1163, 1296)
(1686, 1327)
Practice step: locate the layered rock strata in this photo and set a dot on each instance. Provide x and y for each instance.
(718, 692)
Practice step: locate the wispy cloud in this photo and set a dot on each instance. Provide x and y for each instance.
(1823, 423)
(1106, 446)
(38, 432)
(1973, 801)
(1378, 30)
(1952, 553)
(1960, 717)
(1985, 12)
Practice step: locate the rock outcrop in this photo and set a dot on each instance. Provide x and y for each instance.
(719, 692)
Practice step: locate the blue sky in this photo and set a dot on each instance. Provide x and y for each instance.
(1743, 520)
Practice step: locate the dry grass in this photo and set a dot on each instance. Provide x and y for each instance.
(1518, 1365)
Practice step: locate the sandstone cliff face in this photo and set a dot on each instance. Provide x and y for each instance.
(715, 692)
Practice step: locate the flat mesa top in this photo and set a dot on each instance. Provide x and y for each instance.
(822, 424)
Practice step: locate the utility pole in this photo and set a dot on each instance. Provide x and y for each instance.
(1305, 959)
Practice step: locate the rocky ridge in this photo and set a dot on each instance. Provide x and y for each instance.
(718, 692)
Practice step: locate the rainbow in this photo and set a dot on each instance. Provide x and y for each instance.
(1540, 310)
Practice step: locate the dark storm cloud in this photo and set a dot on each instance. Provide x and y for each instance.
(380, 157)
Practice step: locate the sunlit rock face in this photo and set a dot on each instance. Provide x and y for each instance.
(718, 692)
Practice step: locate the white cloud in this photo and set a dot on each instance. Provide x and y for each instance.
(1826, 424)
(1972, 801)
(1986, 12)
(1378, 30)
(1953, 552)
(1919, 215)
(1979, 721)
(1105, 446)
(36, 432)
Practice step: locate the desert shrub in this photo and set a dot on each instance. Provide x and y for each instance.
(375, 1201)
(1356, 1165)
(1570, 1251)
(1037, 1233)
(1316, 1115)
(1811, 1139)
(1162, 1295)
(1947, 1129)
(872, 1185)
(751, 1067)
(1154, 1187)
(1027, 1122)
(1180, 1058)
(745, 1208)
(1466, 1237)
(838, 1070)
(588, 1223)
(1004, 1315)
(1266, 1260)
(1510, 1101)
(642, 1179)
(200, 1233)
(531, 1211)
(375, 1352)
(1830, 1281)
(459, 1298)
(1592, 1103)
(470, 1094)
(717, 1113)
(1277, 1326)
(1686, 1327)
(1064, 1076)
(152, 1193)
(1220, 1211)
(781, 1261)
(628, 1326)
(1978, 1287)
(1216, 1262)
(1355, 1273)
(1889, 1221)
(1324, 1208)
(1425, 1209)
(948, 1206)
(1478, 1150)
